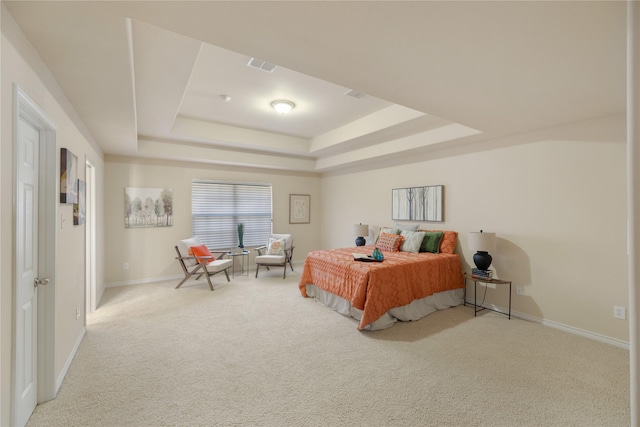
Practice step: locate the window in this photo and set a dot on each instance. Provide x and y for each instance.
(218, 207)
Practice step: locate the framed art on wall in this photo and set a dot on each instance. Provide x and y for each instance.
(68, 176)
(299, 208)
(148, 207)
(80, 207)
(418, 203)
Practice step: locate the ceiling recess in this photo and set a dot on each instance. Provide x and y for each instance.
(355, 94)
(261, 65)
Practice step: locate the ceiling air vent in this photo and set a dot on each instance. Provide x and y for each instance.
(261, 65)
(355, 94)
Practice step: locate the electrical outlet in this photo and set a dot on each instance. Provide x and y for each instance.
(519, 290)
(125, 266)
(619, 312)
(77, 313)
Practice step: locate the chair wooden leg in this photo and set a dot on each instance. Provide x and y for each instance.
(206, 273)
(209, 281)
(188, 274)
(257, 267)
(227, 274)
(284, 274)
(183, 280)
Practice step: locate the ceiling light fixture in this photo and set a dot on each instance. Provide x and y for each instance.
(282, 106)
(225, 98)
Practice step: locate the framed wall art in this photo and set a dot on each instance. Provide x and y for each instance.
(68, 176)
(79, 208)
(418, 204)
(299, 208)
(148, 207)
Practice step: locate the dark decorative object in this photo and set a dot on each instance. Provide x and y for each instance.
(482, 260)
(482, 243)
(361, 230)
(240, 235)
(377, 254)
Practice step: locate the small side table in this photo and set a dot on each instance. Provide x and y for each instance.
(244, 263)
(475, 293)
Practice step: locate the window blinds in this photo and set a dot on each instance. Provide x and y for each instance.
(218, 207)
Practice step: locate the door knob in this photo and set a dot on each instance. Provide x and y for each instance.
(37, 282)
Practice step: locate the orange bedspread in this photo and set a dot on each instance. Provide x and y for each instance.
(375, 288)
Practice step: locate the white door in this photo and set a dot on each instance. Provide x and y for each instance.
(26, 272)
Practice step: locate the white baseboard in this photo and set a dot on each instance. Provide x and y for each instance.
(67, 364)
(143, 281)
(176, 277)
(560, 326)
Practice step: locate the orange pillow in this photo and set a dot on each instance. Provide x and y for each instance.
(200, 251)
(389, 242)
(448, 242)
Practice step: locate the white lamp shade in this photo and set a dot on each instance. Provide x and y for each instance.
(481, 241)
(361, 230)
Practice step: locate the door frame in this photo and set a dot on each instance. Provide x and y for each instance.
(26, 109)
(90, 240)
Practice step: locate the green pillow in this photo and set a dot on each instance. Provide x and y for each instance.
(431, 242)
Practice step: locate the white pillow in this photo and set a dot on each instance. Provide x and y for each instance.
(412, 240)
(184, 245)
(276, 247)
(408, 227)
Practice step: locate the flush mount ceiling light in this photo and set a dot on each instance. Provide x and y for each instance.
(225, 98)
(282, 106)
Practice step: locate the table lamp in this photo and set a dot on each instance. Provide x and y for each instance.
(361, 230)
(482, 243)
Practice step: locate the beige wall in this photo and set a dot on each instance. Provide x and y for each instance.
(555, 198)
(22, 66)
(150, 252)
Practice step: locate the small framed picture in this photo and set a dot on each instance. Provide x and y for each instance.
(68, 176)
(299, 208)
(79, 209)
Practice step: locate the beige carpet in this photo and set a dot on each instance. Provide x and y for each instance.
(255, 353)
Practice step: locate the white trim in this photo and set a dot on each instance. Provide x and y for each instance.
(72, 355)
(175, 277)
(576, 331)
(633, 203)
(91, 301)
(143, 281)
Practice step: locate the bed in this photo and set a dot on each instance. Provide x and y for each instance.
(405, 286)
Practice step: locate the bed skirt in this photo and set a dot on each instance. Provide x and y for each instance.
(415, 310)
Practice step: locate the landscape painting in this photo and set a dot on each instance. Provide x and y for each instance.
(148, 207)
(418, 204)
